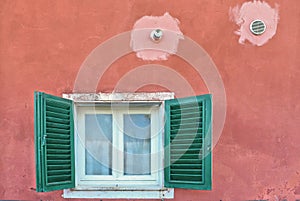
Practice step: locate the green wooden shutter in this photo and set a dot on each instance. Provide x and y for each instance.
(54, 142)
(188, 142)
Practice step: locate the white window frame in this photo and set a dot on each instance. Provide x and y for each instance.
(153, 188)
(117, 179)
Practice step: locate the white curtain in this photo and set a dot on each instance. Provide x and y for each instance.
(137, 144)
(98, 144)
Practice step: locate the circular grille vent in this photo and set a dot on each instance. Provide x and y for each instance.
(257, 27)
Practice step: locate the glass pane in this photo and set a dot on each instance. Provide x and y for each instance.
(98, 144)
(137, 144)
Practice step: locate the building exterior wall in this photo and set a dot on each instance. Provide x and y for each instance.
(44, 43)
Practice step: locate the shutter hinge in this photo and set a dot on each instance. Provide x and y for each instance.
(44, 140)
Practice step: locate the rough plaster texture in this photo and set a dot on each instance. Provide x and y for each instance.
(255, 10)
(43, 44)
(140, 37)
(94, 97)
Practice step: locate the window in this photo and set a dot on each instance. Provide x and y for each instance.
(104, 145)
(118, 146)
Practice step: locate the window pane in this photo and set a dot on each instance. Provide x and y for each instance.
(98, 144)
(137, 144)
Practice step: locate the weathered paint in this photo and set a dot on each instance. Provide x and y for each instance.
(43, 44)
(140, 36)
(92, 97)
(255, 10)
(134, 195)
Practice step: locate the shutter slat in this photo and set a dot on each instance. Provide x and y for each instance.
(57, 120)
(58, 151)
(186, 166)
(186, 121)
(57, 110)
(55, 143)
(58, 125)
(186, 183)
(182, 151)
(187, 134)
(58, 172)
(186, 111)
(57, 115)
(59, 162)
(58, 146)
(185, 115)
(185, 156)
(187, 141)
(186, 146)
(58, 136)
(186, 126)
(58, 102)
(186, 161)
(57, 130)
(187, 131)
(185, 177)
(58, 167)
(186, 171)
(57, 156)
(60, 178)
(179, 105)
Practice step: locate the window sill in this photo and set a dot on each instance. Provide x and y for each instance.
(165, 193)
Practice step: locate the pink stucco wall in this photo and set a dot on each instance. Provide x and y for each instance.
(43, 44)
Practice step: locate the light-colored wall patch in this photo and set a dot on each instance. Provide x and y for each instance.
(143, 43)
(257, 21)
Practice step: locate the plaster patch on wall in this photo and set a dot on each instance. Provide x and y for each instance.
(256, 10)
(142, 44)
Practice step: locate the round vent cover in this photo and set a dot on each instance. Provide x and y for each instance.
(257, 27)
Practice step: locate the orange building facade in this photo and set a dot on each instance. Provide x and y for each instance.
(45, 45)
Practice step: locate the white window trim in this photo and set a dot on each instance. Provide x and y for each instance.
(167, 193)
(133, 193)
